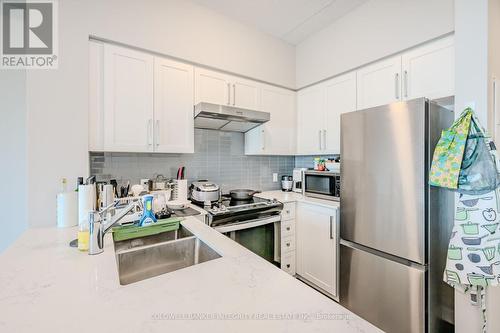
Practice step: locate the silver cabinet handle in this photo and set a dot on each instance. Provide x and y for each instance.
(263, 139)
(405, 78)
(319, 133)
(331, 227)
(234, 94)
(324, 139)
(150, 129)
(157, 133)
(228, 94)
(396, 85)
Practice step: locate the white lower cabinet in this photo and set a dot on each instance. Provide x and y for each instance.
(288, 240)
(317, 246)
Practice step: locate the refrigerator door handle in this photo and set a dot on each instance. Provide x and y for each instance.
(384, 255)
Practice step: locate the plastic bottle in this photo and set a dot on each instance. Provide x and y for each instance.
(148, 217)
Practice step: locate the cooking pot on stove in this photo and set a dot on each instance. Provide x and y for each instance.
(242, 194)
(204, 191)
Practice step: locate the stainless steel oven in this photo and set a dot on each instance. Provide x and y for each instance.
(321, 184)
(253, 223)
(261, 236)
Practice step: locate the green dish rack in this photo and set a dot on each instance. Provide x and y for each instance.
(125, 232)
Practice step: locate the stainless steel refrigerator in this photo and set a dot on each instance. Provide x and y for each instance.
(394, 226)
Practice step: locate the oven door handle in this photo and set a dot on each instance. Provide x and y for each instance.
(247, 224)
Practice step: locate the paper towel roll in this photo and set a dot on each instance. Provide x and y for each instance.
(86, 202)
(67, 209)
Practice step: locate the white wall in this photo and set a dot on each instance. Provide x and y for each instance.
(57, 99)
(371, 31)
(472, 51)
(493, 301)
(13, 151)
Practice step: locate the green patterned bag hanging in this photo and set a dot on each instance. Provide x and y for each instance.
(449, 153)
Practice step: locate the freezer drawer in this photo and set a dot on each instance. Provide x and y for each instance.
(388, 294)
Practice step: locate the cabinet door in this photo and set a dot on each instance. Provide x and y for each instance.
(317, 245)
(310, 120)
(173, 107)
(340, 97)
(429, 70)
(245, 94)
(96, 111)
(379, 83)
(128, 100)
(277, 136)
(212, 87)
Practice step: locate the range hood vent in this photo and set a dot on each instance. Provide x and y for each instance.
(227, 118)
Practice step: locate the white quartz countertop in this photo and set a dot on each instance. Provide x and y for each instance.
(285, 197)
(46, 286)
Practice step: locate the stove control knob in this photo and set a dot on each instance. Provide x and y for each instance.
(223, 208)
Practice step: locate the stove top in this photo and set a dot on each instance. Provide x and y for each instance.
(228, 210)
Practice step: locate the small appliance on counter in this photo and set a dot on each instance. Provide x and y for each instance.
(204, 192)
(298, 174)
(286, 183)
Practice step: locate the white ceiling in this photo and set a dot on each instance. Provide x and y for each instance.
(290, 20)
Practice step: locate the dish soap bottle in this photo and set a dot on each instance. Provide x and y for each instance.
(148, 217)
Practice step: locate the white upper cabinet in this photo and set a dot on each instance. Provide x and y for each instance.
(138, 102)
(212, 87)
(277, 136)
(173, 106)
(219, 88)
(246, 94)
(319, 110)
(96, 108)
(424, 71)
(128, 100)
(379, 83)
(340, 97)
(429, 70)
(310, 120)
(317, 245)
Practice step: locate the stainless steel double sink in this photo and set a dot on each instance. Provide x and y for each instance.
(142, 258)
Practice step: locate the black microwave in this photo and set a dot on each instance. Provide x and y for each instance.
(321, 184)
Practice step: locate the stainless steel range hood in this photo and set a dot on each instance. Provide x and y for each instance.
(227, 118)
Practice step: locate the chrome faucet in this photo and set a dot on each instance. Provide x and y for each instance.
(98, 228)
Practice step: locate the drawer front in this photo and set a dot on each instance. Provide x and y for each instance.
(288, 262)
(288, 212)
(287, 244)
(287, 228)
